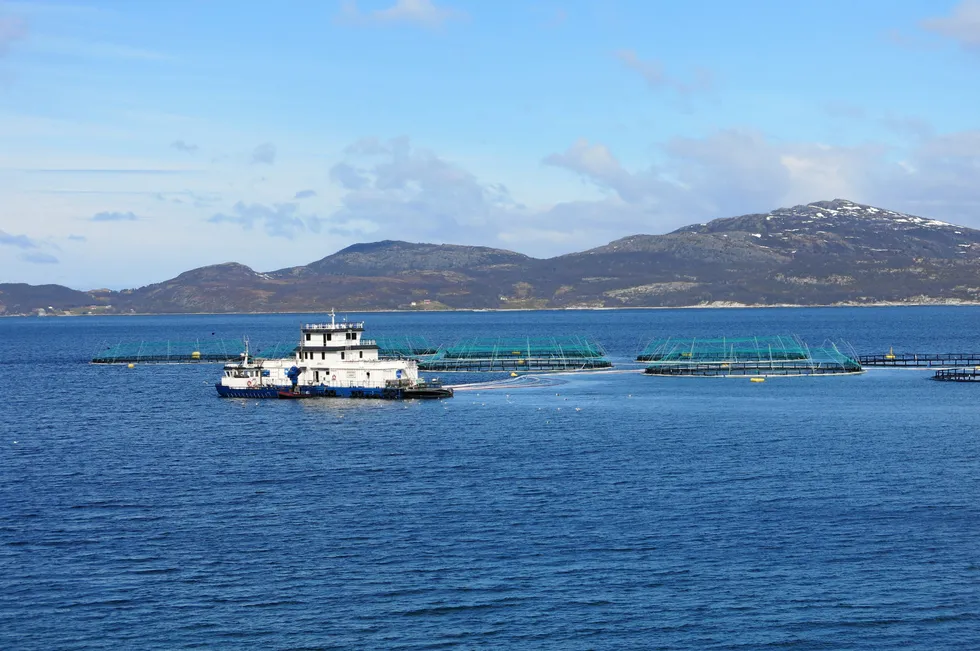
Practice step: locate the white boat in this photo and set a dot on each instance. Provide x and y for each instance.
(333, 360)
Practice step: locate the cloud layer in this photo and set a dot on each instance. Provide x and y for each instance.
(735, 171)
(402, 191)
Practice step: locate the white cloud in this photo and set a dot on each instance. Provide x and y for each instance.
(36, 257)
(962, 25)
(278, 220)
(421, 13)
(348, 176)
(409, 190)
(657, 78)
(264, 153)
(19, 241)
(597, 163)
(114, 217)
(187, 147)
(11, 29)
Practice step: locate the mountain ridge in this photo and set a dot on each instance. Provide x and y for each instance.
(822, 253)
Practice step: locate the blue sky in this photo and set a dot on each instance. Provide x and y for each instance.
(142, 139)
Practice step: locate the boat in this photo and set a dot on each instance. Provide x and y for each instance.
(294, 395)
(332, 360)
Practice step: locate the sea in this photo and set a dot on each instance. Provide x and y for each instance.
(138, 510)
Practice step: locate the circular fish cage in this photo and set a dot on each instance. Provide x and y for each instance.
(745, 357)
(518, 355)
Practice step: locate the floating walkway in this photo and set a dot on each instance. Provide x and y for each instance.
(208, 351)
(517, 354)
(746, 357)
(957, 375)
(920, 360)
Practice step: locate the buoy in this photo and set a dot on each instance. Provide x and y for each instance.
(131, 366)
(757, 379)
(196, 354)
(513, 374)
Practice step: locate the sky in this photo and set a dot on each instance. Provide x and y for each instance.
(142, 139)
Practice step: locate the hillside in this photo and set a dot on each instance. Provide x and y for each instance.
(821, 253)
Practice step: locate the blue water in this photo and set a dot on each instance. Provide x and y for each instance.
(603, 511)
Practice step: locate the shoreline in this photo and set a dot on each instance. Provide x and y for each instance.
(721, 305)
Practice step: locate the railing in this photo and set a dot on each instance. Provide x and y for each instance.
(957, 375)
(357, 325)
(921, 359)
(344, 344)
(811, 367)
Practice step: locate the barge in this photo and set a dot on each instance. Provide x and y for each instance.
(333, 360)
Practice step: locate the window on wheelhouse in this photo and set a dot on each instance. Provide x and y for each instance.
(341, 355)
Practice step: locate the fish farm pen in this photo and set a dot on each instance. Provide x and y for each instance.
(724, 349)
(172, 352)
(517, 354)
(405, 347)
(746, 357)
(957, 375)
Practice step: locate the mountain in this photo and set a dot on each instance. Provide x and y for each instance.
(391, 257)
(21, 298)
(822, 253)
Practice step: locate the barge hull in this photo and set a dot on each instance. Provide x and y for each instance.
(370, 393)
